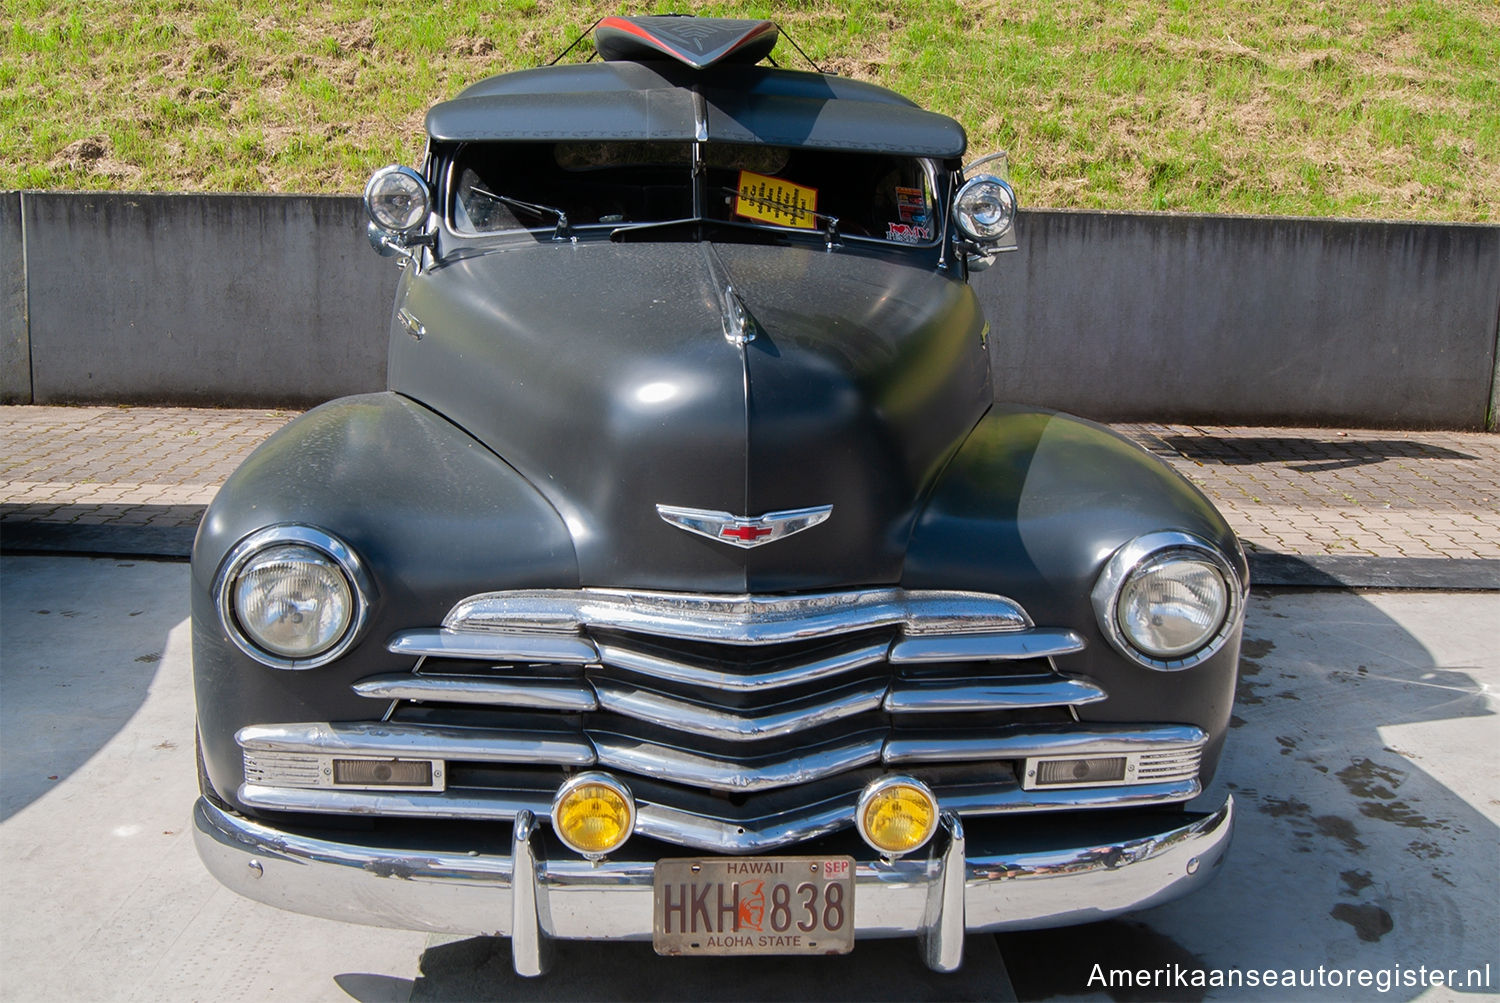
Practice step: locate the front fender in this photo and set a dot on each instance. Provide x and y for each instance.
(1031, 507)
(432, 514)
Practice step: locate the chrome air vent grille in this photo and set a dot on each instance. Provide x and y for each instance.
(740, 721)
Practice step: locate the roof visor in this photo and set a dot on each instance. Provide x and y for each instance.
(647, 93)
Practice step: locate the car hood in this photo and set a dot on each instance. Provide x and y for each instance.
(607, 375)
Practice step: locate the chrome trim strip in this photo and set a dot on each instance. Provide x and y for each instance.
(671, 670)
(683, 827)
(471, 893)
(683, 766)
(979, 802)
(922, 696)
(541, 694)
(718, 722)
(419, 742)
(1037, 642)
(741, 619)
(481, 806)
(1051, 741)
(507, 647)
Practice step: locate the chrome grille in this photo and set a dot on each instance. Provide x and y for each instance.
(741, 722)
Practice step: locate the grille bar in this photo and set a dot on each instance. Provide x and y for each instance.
(1013, 693)
(673, 765)
(420, 742)
(514, 691)
(689, 674)
(1036, 642)
(716, 722)
(514, 646)
(744, 619)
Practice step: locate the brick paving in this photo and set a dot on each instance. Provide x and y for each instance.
(1343, 492)
(1327, 492)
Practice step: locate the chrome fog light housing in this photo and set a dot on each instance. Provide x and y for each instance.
(292, 597)
(593, 814)
(985, 208)
(896, 815)
(1168, 600)
(397, 199)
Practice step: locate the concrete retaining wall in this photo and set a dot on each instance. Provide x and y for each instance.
(230, 300)
(259, 300)
(1248, 320)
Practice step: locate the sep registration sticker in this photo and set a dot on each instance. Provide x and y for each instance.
(774, 200)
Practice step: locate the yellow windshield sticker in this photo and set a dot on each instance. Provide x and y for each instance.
(773, 200)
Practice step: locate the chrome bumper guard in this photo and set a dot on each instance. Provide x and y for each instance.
(532, 900)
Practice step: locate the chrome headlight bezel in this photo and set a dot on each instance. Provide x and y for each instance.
(398, 175)
(1144, 552)
(326, 545)
(977, 187)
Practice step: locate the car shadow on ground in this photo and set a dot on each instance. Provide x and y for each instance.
(1315, 454)
(56, 712)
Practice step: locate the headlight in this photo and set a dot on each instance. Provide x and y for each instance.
(1168, 600)
(397, 199)
(985, 208)
(292, 597)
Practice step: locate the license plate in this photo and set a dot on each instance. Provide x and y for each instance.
(754, 905)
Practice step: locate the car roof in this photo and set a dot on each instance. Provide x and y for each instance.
(663, 100)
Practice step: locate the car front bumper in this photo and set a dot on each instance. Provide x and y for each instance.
(958, 888)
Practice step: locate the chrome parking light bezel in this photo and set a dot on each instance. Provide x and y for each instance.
(361, 590)
(877, 787)
(1137, 553)
(602, 779)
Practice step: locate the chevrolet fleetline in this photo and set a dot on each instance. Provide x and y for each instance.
(687, 584)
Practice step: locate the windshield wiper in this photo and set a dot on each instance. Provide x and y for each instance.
(665, 229)
(564, 228)
(767, 232)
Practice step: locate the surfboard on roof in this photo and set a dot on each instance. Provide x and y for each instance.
(698, 42)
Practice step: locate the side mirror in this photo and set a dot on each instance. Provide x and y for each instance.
(398, 202)
(984, 211)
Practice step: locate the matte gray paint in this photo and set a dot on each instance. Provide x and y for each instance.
(203, 299)
(15, 341)
(433, 516)
(602, 373)
(144, 298)
(1247, 320)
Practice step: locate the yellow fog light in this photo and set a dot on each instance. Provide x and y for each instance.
(593, 813)
(896, 815)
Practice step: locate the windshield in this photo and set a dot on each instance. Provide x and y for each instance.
(529, 186)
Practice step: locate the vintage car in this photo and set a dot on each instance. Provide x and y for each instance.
(687, 584)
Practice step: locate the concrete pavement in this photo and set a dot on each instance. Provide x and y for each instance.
(1362, 508)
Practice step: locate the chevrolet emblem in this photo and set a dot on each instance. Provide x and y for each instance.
(744, 531)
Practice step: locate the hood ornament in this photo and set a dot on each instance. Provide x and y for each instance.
(744, 531)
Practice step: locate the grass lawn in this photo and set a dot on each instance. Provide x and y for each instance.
(1336, 108)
